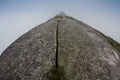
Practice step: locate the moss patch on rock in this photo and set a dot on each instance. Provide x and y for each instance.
(55, 74)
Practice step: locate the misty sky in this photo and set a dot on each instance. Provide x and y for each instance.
(19, 16)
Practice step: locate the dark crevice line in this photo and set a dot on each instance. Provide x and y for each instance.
(57, 44)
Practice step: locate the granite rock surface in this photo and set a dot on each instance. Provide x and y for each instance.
(83, 53)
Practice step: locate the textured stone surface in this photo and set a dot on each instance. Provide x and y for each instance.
(32, 55)
(83, 54)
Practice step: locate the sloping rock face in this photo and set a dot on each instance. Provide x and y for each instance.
(82, 53)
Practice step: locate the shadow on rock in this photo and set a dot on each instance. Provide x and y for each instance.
(55, 74)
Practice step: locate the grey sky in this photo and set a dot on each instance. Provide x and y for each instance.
(19, 16)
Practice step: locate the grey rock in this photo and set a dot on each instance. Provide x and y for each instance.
(83, 54)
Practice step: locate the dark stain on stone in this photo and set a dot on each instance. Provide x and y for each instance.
(57, 44)
(55, 74)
